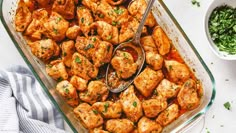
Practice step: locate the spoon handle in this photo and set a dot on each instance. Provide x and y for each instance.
(143, 20)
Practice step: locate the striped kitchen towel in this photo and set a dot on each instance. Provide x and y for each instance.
(24, 106)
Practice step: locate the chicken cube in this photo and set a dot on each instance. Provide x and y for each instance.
(64, 7)
(91, 4)
(97, 91)
(23, 17)
(82, 67)
(168, 89)
(68, 49)
(154, 60)
(119, 126)
(161, 40)
(168, 115)
(146, 125)
(152, 107)
(147, 81)
(57, 70)
(56, 27)
(43, 3)
(44, 49)
(177, 72)
(131, 105)
(90, 118)
(85, 19)
(123, 63)
(73, 32)
(187, 97)
(109, 109)
(79, 83)
(68, 92)
(148, 44)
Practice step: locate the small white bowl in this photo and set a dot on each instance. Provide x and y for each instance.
(214, 4)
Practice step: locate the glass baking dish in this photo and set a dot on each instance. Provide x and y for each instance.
(179, 39)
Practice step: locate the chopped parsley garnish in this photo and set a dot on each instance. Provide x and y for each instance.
(64, 54)
(106, 105)
(195, 2)
(59, 79)
(78, 60)
(95, 112)
(82, 20)
(114, 23)
(135, 104)
(125, 55)
(170, 67)
(108, 48)
(222, 28)
(55, 30)
(58, 20)
(227, 105)
(94, 39)
(101, 15)
(109, 37)
(66, 90)
(89, 46)
(118, 10)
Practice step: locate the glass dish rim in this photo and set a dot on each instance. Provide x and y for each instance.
(189, 121)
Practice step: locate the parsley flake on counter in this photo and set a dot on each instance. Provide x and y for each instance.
(227, 105)
(195, 2)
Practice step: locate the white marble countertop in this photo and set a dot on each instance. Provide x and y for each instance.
(191, 18)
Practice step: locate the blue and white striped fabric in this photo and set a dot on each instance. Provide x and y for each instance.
(24, 106)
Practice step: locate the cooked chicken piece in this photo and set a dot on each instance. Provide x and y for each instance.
(57, 70)
(119, 126)
(102, 53)
(36, 28)
(137, 8)
(82, 67)
(44, 49)
(188, 97)
(178, 72)
(131, 105)
(168, 89)
(73, 32)
(154, 60)
(122, 16)
(161, 40)
(91, 4)
(79, 83)
(87, 46)
(146, 125)
(43, 3)
(85, 19)
(115, 2)
(56, 27)
(124, 64)
(68, 49)
(97, 91)
(90, 118)
(109, 109)
(68, 92)
(65, 7)
(106, 31)
(168, 115)
(154, 106)
(148, 44)
(129, 28)
(147, 81)
(30, 4)
(23, 17)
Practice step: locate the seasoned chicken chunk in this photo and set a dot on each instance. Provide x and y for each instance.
(154, 60)
(57, 70)
(65, 7)
(97, 91)
(188, 97)
(109, 109)
(137, 8)
(114, 81)
(177, 72)
(124, 64)
(106, 31)
(79, 83)
(168, 115)
(82, 67)
(68, 92)
(43, 3)
(146, 125)
(119, 126)
(131, 105)
(68, 49)
(129, 28)
(152, 107)
(85, 19)
(56, 27)
(148, 44)
(90, 118)
(36, 28)
(22, 17)
(168, 89)
(44, 49)
(73, 32)
(147, 81)
(162, 41)
(102, 53)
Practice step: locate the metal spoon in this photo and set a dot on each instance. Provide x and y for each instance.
(134, 44)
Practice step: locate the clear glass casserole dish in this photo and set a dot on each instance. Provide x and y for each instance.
(168, 23)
